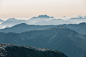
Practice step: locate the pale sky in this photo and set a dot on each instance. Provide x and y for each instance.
(29, 8)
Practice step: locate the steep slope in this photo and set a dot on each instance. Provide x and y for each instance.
(11, 50)
(59, 38)
(24, 27)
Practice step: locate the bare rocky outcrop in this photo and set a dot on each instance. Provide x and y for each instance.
(11, 50)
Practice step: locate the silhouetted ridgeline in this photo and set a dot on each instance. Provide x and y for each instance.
(24, 27)
(19, 28)
(11, 50)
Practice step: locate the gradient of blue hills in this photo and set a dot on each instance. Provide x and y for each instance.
(59, 38)
(42, 20)
(80, 28)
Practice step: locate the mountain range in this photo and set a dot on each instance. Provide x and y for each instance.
(24, 27)
(80, 28)
(59, 38)
(19, 28)
(67, 36)
(42, 20)
(11, 50)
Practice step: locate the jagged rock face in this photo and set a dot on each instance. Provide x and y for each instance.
(10, 50)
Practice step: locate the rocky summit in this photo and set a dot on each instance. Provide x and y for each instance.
(12, 50)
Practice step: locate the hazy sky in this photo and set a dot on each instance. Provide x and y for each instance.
(30, 8)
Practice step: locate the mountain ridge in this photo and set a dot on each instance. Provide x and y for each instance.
(22, 27)
(12, 50)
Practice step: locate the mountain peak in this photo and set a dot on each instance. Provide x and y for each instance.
(23, 24)
(1, 20)
(19, 25)
(43, 16)
(11, 19)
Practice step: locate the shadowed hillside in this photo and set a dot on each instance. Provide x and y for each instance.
(11, 50)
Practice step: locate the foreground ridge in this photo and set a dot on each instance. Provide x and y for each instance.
(12, 50)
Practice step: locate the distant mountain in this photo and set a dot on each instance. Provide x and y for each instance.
(54, 22)
(1, 20)
(24, 27)
(59, 38)
(43, 20)
(40, 18)
(12, 21)
(43, 16)
(11, 50)
(84, 16)
(79, 17)
(80, 28)
(63, 20)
